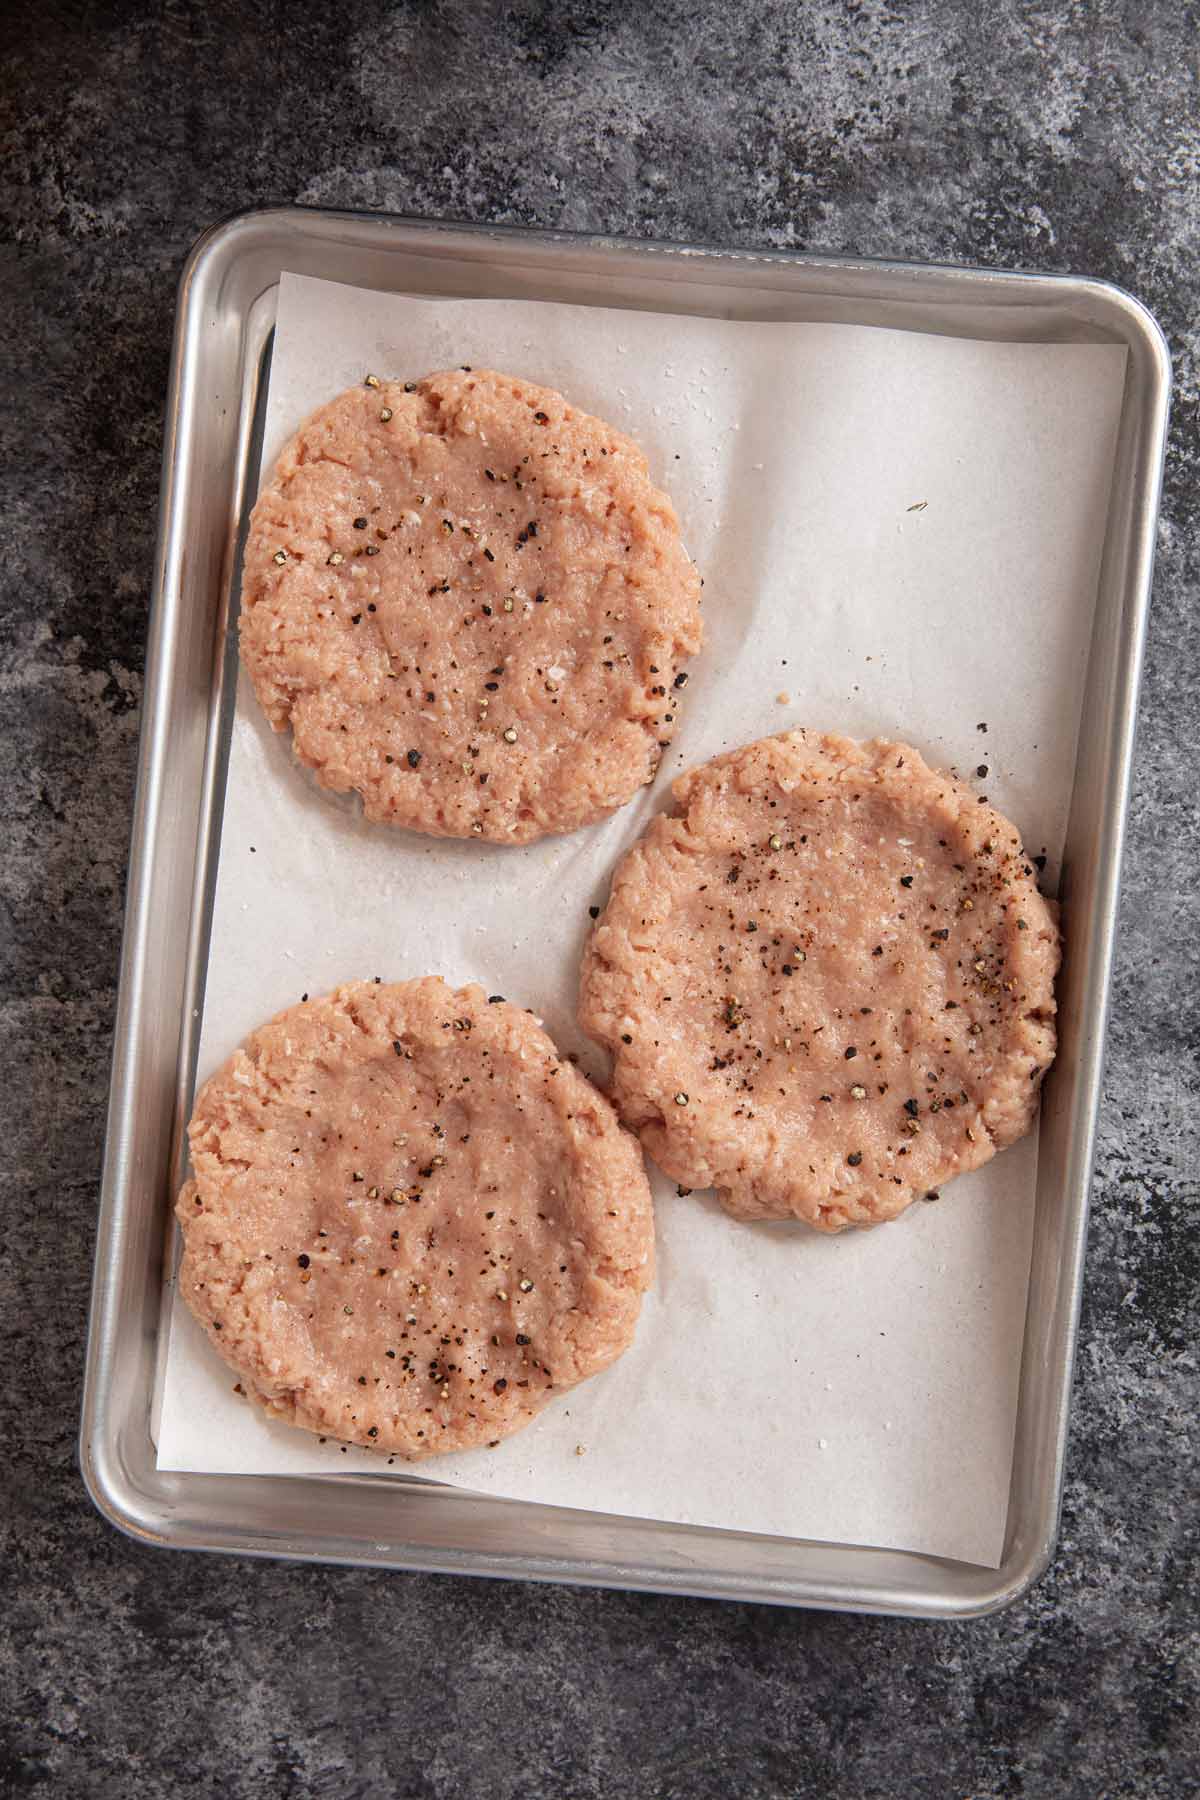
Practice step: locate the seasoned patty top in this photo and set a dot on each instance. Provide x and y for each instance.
(827, 981)
(410, 1222)
(469, 602)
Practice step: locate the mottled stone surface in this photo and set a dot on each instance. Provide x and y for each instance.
(1060, 136)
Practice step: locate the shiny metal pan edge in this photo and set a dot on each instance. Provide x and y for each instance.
(223, 323)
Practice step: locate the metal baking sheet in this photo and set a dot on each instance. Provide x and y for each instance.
(225, 316)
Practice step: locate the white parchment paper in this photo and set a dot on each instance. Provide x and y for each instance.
(899, 534)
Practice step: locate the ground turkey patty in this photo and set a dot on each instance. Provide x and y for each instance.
(827, 981)
(410, 1221)
(469, 602)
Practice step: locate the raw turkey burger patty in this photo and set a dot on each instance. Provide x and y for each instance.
(410, 1222)
(827, 981)
(469, 602)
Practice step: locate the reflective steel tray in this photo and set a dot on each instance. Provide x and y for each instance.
(223, 327)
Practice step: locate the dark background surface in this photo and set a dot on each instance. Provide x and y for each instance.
(1056, 137)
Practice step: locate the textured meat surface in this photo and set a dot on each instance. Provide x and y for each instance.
(469, 602)
(827, 981)
(410, 1223)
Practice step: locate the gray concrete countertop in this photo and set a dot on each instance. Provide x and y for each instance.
(1049, 136)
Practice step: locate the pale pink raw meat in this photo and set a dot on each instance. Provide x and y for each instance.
(469, 602)
(826, 979)
(411, 1223)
